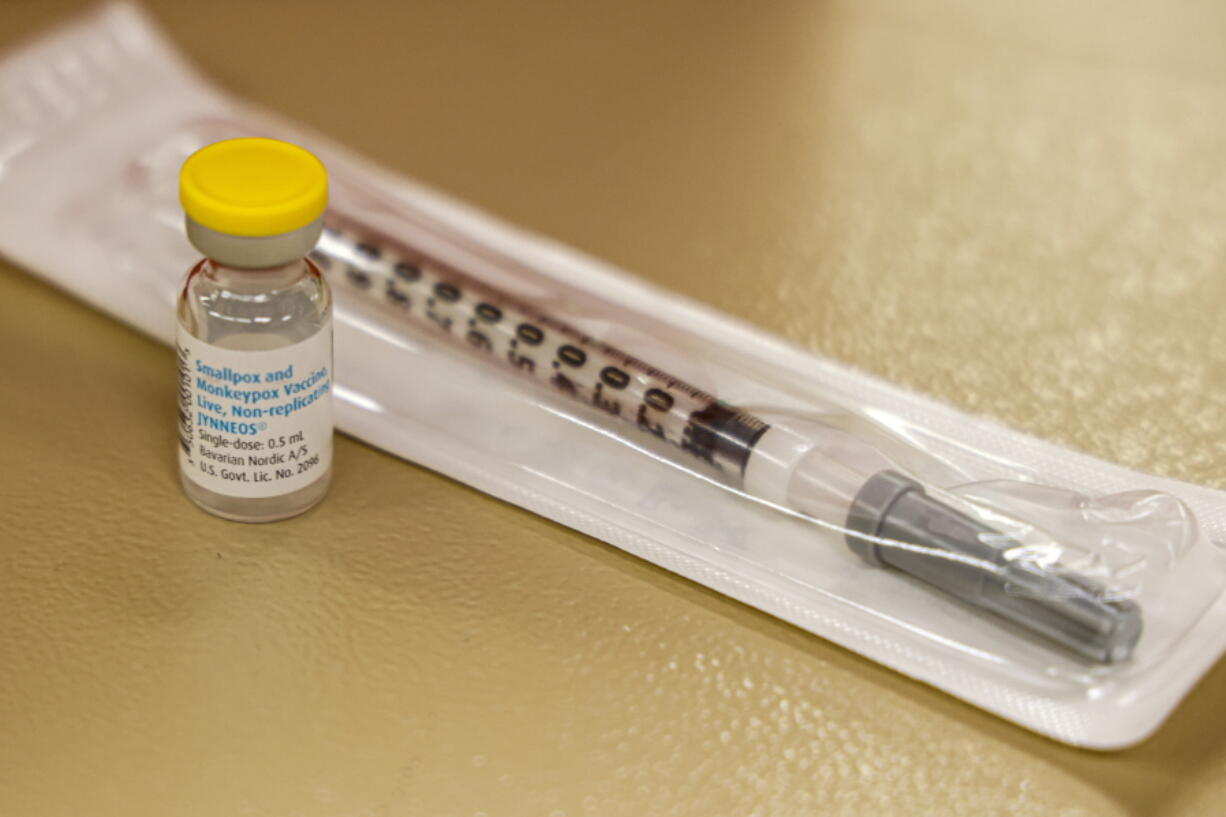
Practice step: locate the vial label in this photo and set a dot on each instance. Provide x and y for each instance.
(255, 423)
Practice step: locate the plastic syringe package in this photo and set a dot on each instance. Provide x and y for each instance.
(1075, 597)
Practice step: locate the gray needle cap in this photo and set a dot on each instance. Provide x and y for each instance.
(893, 522)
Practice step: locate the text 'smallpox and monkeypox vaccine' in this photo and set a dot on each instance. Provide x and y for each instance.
(254, 339)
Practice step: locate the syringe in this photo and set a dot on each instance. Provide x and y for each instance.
(809, 467)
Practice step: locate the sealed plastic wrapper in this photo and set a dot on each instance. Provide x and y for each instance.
(1072, 596)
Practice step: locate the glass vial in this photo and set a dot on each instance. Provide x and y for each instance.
(254, 340)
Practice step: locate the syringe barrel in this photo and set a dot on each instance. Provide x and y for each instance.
(519, 337)
(811, 466)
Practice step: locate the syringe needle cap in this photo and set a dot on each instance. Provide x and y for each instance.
(894, 522)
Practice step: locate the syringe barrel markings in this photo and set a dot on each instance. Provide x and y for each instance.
(522, 338)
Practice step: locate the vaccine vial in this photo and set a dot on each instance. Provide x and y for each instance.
(254, 339)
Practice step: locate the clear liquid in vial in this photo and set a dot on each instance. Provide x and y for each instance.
(255, 310)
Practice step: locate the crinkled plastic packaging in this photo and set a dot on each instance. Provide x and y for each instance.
(1072, 596)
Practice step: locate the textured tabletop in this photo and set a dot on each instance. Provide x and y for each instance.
(1017, 208)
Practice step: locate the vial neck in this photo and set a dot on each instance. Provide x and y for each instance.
(250, 280)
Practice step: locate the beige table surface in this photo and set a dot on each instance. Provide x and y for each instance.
(1018, 208)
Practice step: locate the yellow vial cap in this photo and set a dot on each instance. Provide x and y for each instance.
(253, 187)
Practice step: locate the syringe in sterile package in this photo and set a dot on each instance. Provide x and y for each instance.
(820, 471)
